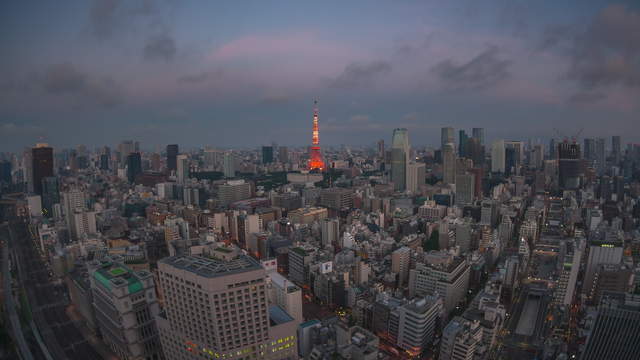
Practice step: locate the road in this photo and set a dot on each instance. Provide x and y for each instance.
(10, 306)
(48, 301)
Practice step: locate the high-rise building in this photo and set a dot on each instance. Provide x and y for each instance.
(50, 194)
(124, 149)
(315, 156)
(589, 150)
(446, 137)
(172, 157)
(463, 143)
(284, 293)
(475, 152)
(460, 339)
(330, 229)
(413, 324)
(134, 166)
(601, 252)
(416, 173)
(5, 172)
(381, 149)
(465, 189)
(267, 154)
(448, 164)
(616, 149)
(400, 264)
(616, 330)
(400, 149)
(217, 307)
(337, 198)
(478, 133)
(569, 165)
(448, 279)
(600, 155)
(283, 154)
(42, 165)
(84, 223)
(537, 157)
(233, 190)
(182, 168)
(498, 155)
(229, 165)
(125, 307)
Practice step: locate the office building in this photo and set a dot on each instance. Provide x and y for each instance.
(299, 260)
(498, 155)
(42, 165)
(616, 330)
(569, 166)
(50, 195)
(448, 164)
(217, 307)
(134, 166)
(182, 168)
(84, 224)
(416, 173)
(463, 140)
(284, 293)
(336, 198)
(125, 307)
(267, 154)
(400, 149)
(448, 279)
(601, 252)
(478, 133)
(600, 155)
(413, 324)
(465, 189)
(172, 157)
(307, 215)
(330, 229)
(283, 154)
(400, 264)
(616, 149)
(229, 166)
(446, 137)
(460, 339)
(5, 172)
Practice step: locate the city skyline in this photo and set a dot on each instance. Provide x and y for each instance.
(165, 72)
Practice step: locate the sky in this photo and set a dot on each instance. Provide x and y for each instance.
(246, 73)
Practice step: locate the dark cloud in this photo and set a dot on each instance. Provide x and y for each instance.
(67, 80)
(358, 75)
(555, 35)
(103, 17)
(194, 78)
(160, 47)
(276, 99)
(607, 52)
(587, 97)
(484, 70)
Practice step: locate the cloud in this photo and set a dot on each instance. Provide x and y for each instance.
(160, 47)
(587, 97)
(607, 53)
(484, 70)
(103, 17)
(359, 119)
(67, 80)
(358, 75)
(275, 99)
(194, 78)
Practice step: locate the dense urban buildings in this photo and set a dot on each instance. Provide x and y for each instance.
(178, 210)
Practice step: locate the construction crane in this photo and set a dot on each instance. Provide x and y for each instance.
(565, 138)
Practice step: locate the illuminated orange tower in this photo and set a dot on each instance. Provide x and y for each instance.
(315, 157)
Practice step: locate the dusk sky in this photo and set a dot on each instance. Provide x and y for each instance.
(245, 73)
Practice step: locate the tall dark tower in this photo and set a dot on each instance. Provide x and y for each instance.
(42, 162)
(315, 157)
(570, 165)
(172, 157)
(134, 166)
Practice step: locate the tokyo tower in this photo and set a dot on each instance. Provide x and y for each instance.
(315, 157)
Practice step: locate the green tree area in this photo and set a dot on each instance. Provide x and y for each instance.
(432, 242)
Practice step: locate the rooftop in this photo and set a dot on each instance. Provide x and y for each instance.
(211, 267)
(278, 316)
(111, 274)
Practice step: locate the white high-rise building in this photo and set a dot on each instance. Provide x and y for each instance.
(219, 308)
(448, 279)
(182, 172)
(498, 156)
(447, 136)
(416, 173)
(607, 251)
(84, 223)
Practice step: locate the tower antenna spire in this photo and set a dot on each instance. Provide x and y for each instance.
(315, 156)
